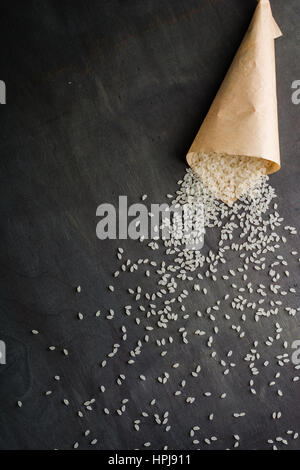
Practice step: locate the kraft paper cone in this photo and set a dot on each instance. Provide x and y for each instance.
(242, 119)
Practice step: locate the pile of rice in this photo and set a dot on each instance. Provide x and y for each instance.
(228, 177)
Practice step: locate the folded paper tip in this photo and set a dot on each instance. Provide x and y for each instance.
(276, 32)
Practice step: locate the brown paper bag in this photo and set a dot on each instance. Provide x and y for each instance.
(242, 119)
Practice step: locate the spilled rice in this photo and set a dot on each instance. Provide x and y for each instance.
(204, 336)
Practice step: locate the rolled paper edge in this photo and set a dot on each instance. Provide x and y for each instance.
(191, 157)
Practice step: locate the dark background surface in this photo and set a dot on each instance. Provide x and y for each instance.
(104, 98)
